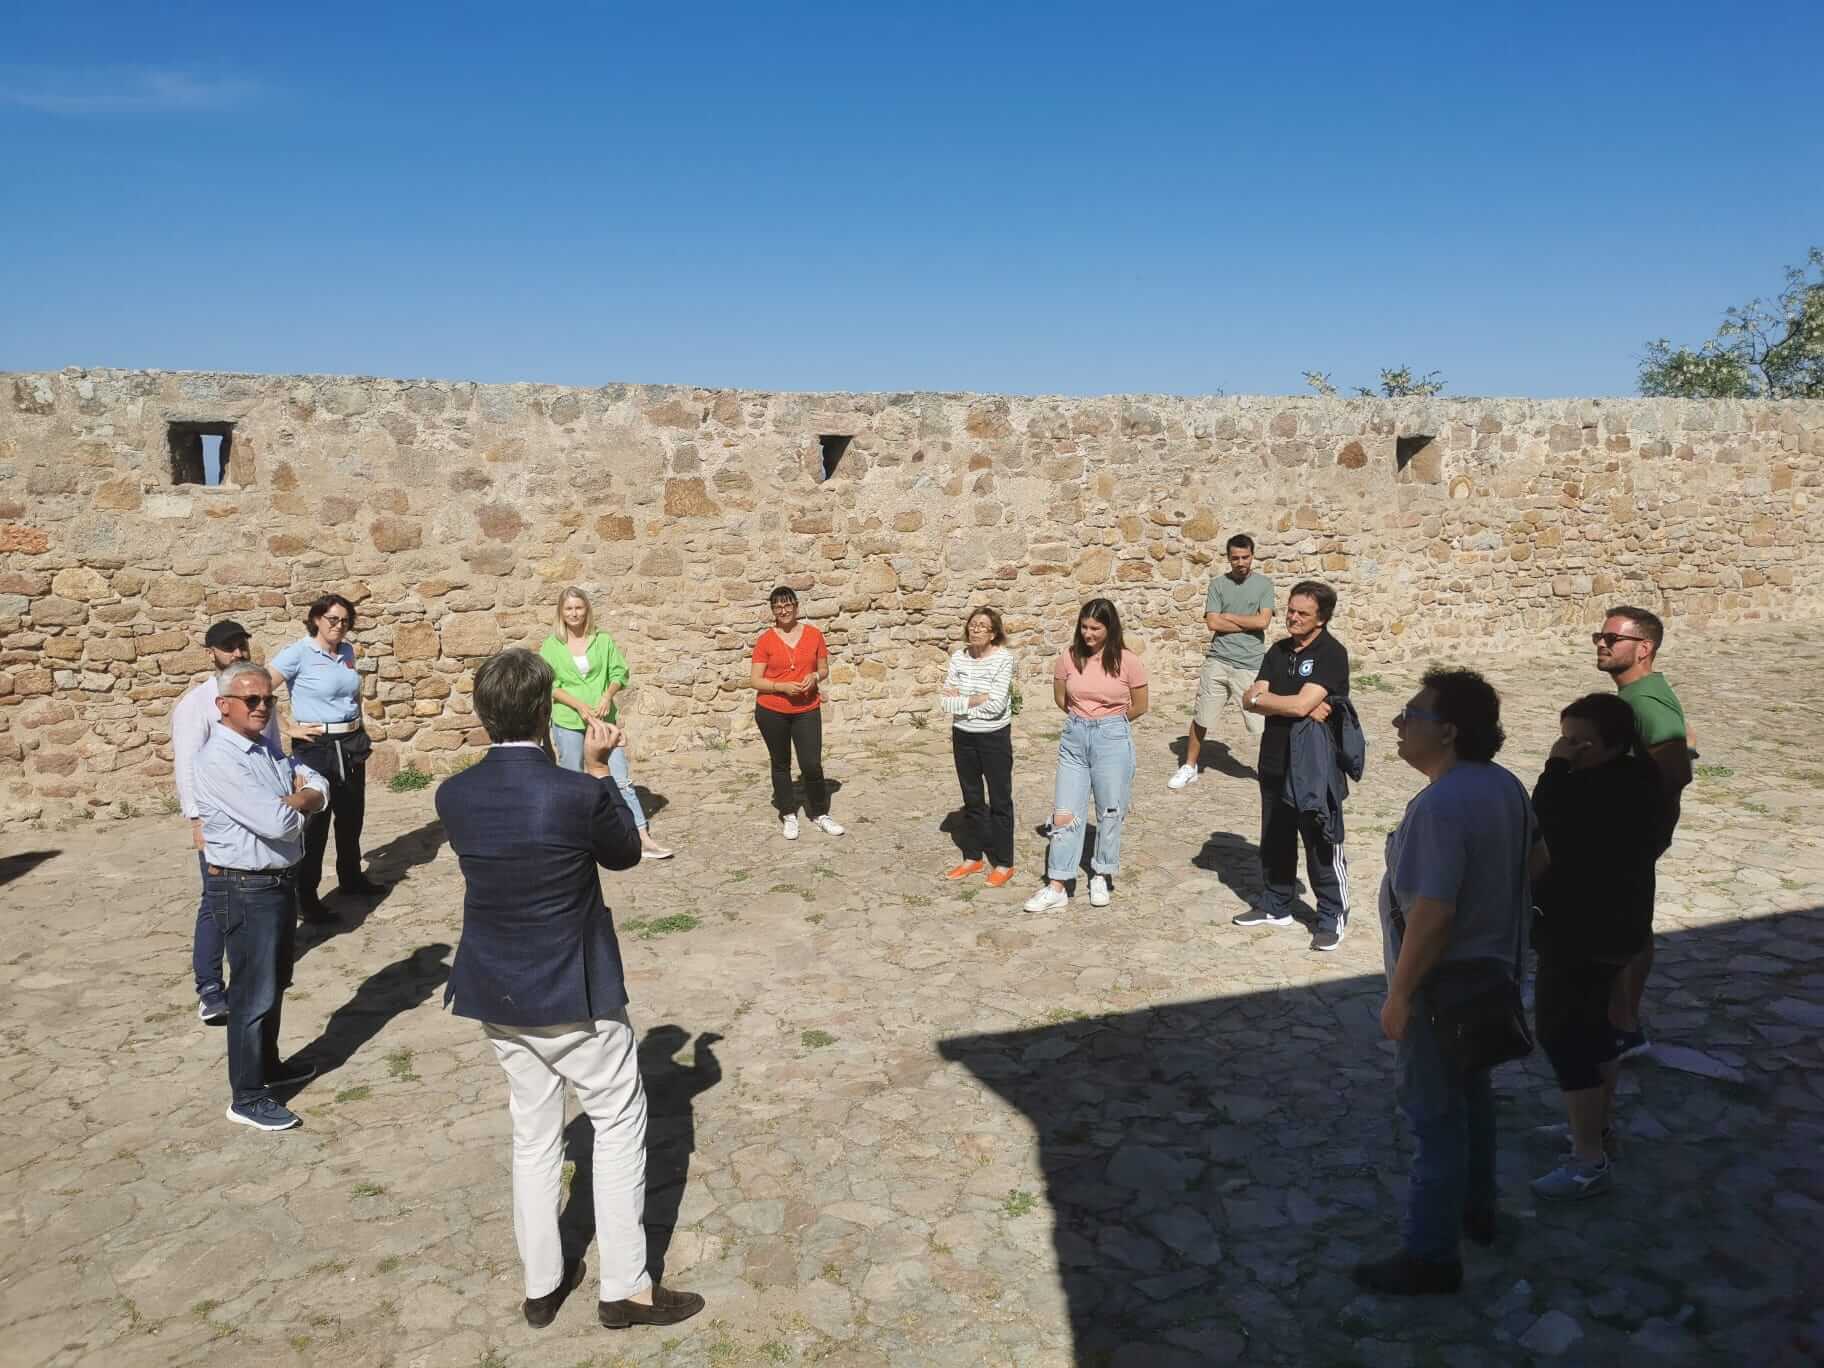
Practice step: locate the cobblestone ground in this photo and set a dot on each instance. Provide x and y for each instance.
(898, 1122)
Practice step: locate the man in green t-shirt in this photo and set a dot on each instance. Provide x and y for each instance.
(1237, 610)
(1627, 650)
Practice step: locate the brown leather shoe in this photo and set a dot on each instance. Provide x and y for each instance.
(668, 1308)
(541, 1311)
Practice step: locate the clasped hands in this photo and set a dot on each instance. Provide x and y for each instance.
(599, 740)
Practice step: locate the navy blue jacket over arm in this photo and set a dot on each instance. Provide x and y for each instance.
(538, 945)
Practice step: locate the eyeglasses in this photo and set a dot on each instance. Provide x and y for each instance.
(329, 621)
(1610, 638)
(253, 701)
(1411, 714)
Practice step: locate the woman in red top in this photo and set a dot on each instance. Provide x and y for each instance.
(790, 660)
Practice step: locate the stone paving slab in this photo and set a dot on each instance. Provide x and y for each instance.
(896, 1121)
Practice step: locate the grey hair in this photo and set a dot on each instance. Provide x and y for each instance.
(513, 695)
(236, 670)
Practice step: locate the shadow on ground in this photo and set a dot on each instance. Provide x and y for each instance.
(386, 864)
(388, 992)
(1206, 1210)
(1214, 755)
(18, 866)
(671, 1139)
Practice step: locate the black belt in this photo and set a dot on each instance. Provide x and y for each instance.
(287, 872)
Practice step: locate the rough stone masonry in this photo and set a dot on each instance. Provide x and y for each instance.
(451, 513)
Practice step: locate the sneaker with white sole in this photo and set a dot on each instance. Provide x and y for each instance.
(1631, 1043)
(1256, 916)
(827, 824)
(263, 1114)
(1098, 891)
(1572, 1181)
(790, 826)
(1047, 899)
(212, 1009)
(1182, 776)
(1327, 939)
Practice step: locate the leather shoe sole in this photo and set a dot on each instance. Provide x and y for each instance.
(668, 1308)
(541, 1311)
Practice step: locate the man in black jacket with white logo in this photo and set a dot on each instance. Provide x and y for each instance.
(1299, 673)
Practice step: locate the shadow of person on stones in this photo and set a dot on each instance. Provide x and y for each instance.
(1213, 755)
(387, 864)
(388, 992)
(652, 804)
(17, 866)
(1215, 1168)
(671, 1139)
(1236, 861)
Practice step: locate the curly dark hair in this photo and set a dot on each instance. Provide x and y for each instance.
(1469, 703)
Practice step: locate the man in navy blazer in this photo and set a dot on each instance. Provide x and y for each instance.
(538, 965)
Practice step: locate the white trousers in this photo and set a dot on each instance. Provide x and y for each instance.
(599, 1060)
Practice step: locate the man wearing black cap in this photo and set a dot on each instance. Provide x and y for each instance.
(191, 719)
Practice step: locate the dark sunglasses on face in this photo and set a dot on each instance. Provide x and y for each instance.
(1610, 638)
(1409, 714)
(254, 702)
(329, 621)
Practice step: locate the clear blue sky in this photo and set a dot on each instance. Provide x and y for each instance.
(1030, 198)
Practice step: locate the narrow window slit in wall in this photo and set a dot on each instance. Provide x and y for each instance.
(199, 452)
(833, 449)
(1405, 448)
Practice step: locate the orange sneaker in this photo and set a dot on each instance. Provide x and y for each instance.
(998, 877)
(966, 868)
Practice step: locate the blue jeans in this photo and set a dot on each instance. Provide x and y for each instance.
(569, 747)
(1453, 1129)
(206, 944)
(258, 914)
(1095, 758)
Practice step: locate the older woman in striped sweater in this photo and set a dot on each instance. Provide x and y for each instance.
(978, 693)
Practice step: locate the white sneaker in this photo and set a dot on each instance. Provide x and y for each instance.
(1098, 891)
(791, 826)
(1185, 774)
(1047, 899)
(827, 824)
(654, 852)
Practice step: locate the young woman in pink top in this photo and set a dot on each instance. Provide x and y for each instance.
(1101, 686)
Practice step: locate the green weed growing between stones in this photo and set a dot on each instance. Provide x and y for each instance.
(367, 1190)
(409, 780)
(815, 1040)
(399, 1065)
(1019, 1203)
(356, 1094)
(1714, 772)
(660, 926)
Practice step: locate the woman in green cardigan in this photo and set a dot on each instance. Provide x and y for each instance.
(590, 671)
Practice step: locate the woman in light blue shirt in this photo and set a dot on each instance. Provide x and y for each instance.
(325, 728)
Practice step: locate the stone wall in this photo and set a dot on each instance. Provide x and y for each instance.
(452, 513)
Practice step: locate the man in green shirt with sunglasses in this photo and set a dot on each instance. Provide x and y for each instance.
(1627, 650)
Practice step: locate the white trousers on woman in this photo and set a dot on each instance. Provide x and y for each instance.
(599, 1060)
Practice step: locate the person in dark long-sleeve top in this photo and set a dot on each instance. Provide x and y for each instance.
(538, 965)
(1604, 822)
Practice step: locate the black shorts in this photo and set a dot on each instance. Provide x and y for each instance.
(1571, 1018)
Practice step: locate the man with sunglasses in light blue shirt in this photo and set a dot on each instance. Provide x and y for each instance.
(254, 805)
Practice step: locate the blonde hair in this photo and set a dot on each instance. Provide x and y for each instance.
(572, 592)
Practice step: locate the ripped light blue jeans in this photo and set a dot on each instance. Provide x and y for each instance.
(1095, 759)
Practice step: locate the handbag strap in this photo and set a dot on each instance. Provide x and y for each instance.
(1525, 850)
